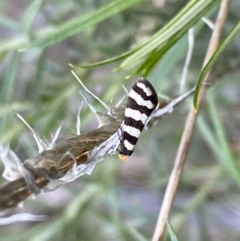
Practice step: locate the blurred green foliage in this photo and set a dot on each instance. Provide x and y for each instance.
(121, 200)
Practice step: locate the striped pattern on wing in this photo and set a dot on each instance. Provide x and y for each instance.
(142, 100)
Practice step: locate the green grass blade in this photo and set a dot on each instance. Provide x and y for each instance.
(149, 63)
(180, 24)
(213, 59)
(210, 138)
(7, 89)
(79, 24)
(30, 15)
(108, 61)
(135, 234)
(228, 159)
(37, 84)
(154, 57)
(172, 235)
(168, 55)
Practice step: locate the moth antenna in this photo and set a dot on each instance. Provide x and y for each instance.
(81, 83)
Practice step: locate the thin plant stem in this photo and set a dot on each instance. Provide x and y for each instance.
(188, 130)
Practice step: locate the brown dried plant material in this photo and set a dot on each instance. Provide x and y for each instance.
(69, 159)
(54, 164)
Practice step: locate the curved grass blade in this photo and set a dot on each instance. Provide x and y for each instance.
(142, 67)
(179, 25)
(108, 61)
(79, 24)
(213, 59)
(170, 39)
(159, 40)
(155, 56)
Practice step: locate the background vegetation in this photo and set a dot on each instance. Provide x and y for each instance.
(121, 200)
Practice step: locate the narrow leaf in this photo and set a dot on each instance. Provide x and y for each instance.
(108, 61)
(79, 24)
(172, 235)
(213, 59)
(174, 32)
(186, 19)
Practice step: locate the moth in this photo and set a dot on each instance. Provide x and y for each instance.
(142, 100)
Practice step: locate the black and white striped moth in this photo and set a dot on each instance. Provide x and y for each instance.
(142, 100)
